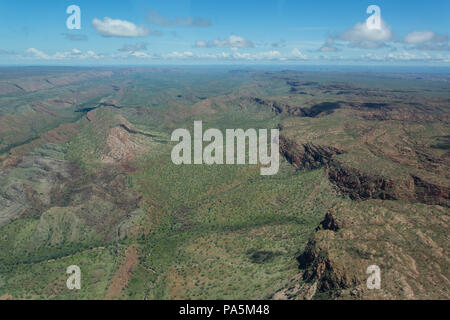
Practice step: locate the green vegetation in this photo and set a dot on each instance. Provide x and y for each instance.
(86, 179)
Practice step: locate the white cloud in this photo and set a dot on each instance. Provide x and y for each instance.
(372, 57)
(140, 54)
(237, 56)
(296, 54)
(406, 56)
(403, 55)
(416, 37)
(38, 54)
(201, 44)
(445, 59)
(271, 55)
(427, 40)
(360, 36)
(360, 32)
(73, 54)
(268, 55)
(76, 54)
(92, 54)
(120, 28)
(232, 41)
(178, 55)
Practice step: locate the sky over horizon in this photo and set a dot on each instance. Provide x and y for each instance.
(275, 32)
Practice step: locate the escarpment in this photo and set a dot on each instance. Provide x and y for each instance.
(306, 156)
(284, 109)
(430, 193)
(358, 184)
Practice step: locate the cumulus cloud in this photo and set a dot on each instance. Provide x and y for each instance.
(360, 32)
(232, 41)
(272, 55)
(178, 55)
(73, 54)
(133, 47)
(406, 56)
(140, 54)
(360, 36)
(403, 56)
(121, 28)
(155, 18)
(419, 37)
(203, 44)
(296, 54)
(427, 40)
(37, 53)
(268, 55)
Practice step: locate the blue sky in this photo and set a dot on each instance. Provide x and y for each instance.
(135, 32)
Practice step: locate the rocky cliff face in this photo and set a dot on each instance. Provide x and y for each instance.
(363, 186)
(359, 185)
(356, 235)
(306, 156)
(430, 193)
(284, 109)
